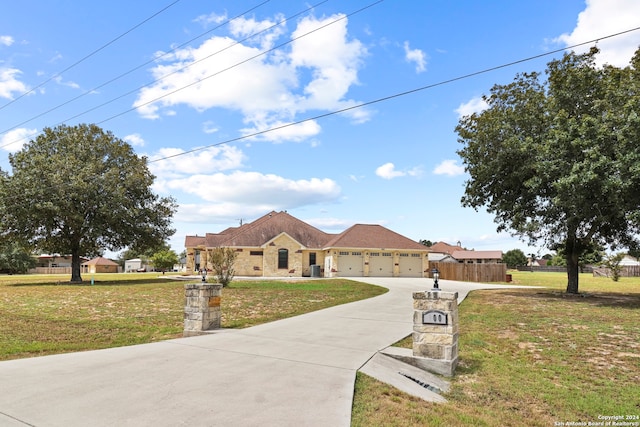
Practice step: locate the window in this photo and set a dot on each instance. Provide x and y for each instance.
(343, 253)
(356, 253)
(312, 258)
(283, 258)
(256, 253)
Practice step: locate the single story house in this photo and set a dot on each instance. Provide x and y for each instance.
(444, 252)
(280, 245)
(55, 261)
(478, 257)
(99, 265)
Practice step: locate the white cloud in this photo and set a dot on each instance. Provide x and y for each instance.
(284, 131)
(449, 168)
(248, 194)
(9, 83)
(388, 171)
(475, 105)
(69, 83)
(134, 139)
(416, 56)
(315, 73)
(6, 40)
(602, 18)
(212, 18)
(209, 127)
(13, 140)
(169, 164)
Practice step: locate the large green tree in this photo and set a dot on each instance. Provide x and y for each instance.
(164, 260)
(80, 190)
(514, 258)
(558, 160)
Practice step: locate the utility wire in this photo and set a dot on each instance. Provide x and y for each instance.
(58, 74)
(387, 98)
(235, 65)
(134, 69)
(198, 61)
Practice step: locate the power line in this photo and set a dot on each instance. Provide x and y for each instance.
(195, 62)
(235, 65)
(132, 70)
(58, 74)
(389, 97)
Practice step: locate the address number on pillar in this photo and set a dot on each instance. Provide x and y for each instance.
(434, 317)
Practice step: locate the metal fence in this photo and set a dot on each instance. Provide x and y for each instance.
(470, 272)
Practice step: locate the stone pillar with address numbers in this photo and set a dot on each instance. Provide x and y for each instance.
(201, 308)
(435, 331)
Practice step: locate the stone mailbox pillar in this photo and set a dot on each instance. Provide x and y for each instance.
(201, 308)
(435, 331)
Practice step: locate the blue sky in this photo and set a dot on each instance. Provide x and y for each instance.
(171, 77)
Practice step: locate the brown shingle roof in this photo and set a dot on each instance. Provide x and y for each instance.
(373, 236)
(100, 261)
(444, 248)
(477, 255)
(193, 241)
(263, 229)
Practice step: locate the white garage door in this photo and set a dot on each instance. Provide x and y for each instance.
(349, 264)
(381, 264)
(410, 265)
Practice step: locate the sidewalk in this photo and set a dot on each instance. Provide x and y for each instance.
(294, 372)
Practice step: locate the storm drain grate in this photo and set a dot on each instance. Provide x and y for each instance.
(421, 383)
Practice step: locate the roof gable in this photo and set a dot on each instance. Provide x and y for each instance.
(445, 248)
(100, 261)
(265, 229)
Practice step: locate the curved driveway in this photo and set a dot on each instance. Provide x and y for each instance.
(294, 372)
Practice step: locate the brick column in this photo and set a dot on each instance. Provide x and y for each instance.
(435, 331)
(201, 308)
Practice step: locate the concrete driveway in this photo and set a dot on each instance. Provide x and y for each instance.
(294, 372)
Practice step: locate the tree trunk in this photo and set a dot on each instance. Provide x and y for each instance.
(572, 252)
(75, 266)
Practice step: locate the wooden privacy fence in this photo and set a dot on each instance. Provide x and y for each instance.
(470, 272)
(50, 270)
(627, 271)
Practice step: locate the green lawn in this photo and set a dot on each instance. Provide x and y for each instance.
(530, 357)
(527, 357)
(45, 315)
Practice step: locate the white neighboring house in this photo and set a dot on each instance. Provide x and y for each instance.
(628, 260)
(136, 264)
(439, 257)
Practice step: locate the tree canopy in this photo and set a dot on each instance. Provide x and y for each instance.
(80, 190)
(558, 161)
(514, 258)
(164, 260)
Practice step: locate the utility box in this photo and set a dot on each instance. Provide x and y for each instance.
(435, 331)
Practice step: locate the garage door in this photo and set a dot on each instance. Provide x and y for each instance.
(349, 264)
(410, 265)
(381, 264)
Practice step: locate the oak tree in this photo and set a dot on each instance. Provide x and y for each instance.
(558, 160)
(79, 190)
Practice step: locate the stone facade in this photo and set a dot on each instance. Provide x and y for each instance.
(260, 245)
(435, 345)
(201, 308)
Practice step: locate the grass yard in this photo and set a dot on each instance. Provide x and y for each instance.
(533, 357)
(42, 314)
